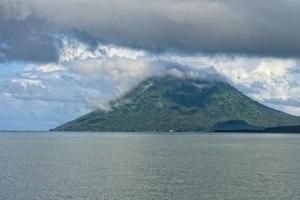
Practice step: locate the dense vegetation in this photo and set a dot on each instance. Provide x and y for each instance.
(168, 103)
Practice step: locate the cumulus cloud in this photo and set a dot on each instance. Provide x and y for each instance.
(232, 26)
(86, 78)
(92, 77)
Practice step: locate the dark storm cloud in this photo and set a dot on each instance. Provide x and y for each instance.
(26, 40)
(253, 27)
(23, 35)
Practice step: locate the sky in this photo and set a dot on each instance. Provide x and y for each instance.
(61, 59)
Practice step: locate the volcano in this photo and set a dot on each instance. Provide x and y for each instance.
(182, 104)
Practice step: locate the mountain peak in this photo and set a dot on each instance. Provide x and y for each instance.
(180, 104)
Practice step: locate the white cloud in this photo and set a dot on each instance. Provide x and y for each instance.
(88, 78)
(71, 49)
(25, 83)
(123, 52)
(46, 68)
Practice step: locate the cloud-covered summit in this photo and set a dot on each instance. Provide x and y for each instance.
(211, 26)
(60, 58)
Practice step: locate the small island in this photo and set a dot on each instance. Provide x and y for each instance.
(161, 104)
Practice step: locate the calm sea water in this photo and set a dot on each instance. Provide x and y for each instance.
(123, 166)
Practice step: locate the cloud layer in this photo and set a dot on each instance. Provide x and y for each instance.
(93, 77)
(211, 26)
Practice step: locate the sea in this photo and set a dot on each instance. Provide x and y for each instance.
(149, 166)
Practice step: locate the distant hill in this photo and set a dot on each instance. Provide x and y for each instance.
(235, 126)
(181, 104)
(283, 129)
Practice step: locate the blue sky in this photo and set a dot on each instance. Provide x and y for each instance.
(59, 61)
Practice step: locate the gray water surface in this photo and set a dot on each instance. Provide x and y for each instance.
(124, 166)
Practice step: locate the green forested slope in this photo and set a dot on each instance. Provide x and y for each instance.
(168, 103)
